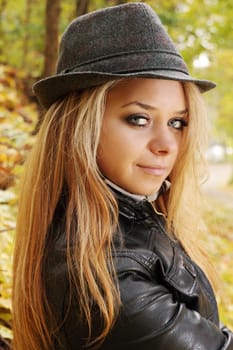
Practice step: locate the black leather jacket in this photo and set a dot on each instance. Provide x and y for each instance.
(167, 302)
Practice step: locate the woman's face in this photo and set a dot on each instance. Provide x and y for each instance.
(141, 133)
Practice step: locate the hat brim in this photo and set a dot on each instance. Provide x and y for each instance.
(50, 89)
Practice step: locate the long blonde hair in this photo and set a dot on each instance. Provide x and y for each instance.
(186, 202)
(65, 156)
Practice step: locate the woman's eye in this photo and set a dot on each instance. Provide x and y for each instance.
(138, 120)
(178, 123)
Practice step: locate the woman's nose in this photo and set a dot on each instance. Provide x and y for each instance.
(164, 141)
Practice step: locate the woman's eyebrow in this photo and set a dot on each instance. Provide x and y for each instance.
(140, 104)
(183, 111)
(150, 107)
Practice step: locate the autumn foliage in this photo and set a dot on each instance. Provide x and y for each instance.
(18, 116)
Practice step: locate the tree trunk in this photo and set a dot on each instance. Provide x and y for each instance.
(52, 18)
(82, 7)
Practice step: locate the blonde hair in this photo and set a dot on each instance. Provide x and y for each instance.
(64, 156)
(186, 202)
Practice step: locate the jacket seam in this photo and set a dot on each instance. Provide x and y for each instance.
(147, 263)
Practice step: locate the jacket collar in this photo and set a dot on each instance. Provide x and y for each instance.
(135, 206)
(137, 197)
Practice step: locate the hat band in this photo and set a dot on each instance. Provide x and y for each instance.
(124, 62)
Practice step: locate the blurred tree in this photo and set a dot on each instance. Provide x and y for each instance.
(51, 36)
(82, 7)
(222, 73)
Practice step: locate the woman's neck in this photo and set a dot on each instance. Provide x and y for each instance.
(136, 197)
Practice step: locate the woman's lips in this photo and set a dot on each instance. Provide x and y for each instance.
(155, 170)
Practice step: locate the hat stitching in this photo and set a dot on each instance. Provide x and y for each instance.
(101, 58)
(153, 69)
(162, 68)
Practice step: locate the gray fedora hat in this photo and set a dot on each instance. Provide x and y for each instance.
(124, 41)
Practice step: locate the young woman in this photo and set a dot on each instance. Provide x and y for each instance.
(107, 251)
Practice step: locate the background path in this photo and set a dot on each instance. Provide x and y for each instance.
(216, 186)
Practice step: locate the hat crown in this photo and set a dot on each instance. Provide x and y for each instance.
(118, 31)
